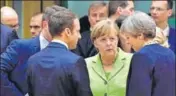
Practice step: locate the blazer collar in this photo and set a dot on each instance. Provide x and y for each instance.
(118, 65)
(57, 45)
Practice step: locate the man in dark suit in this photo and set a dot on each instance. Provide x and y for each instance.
(9, 17)
(119, 10)
(160, 12)
(56, 71)
(14, 59)
(98, 10)
(7, 35)
(152, 70)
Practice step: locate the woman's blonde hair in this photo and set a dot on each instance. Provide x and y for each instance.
(160, 38)
(104, 27)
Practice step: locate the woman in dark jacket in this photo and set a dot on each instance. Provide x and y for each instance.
(152, 71)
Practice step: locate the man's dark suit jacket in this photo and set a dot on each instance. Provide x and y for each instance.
(152, 72)
(84, 23)
(13, 66)
(55, 71)
(85, 47)
(7, 35)
(172, 39)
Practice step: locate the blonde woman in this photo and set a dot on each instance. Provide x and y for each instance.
(108, 69)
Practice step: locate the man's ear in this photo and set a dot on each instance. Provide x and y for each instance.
(119, 10)
(45, 24)
(67, 31)
(169, 12)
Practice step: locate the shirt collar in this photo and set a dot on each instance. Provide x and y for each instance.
(43, 42)
(165, 31)
(61, 42)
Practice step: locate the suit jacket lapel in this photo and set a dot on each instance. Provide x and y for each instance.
(36, 44)
(97, 67)
(171, 35)
(118, 65)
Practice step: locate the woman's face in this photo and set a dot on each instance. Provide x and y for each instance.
(107, 44)
(135, 42)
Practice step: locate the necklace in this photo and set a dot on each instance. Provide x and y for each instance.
(150, 42)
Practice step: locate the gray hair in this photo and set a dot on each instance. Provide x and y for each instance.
(137, 23)
(113, 5)
(61, 20)
(51, 10)
(97, 4)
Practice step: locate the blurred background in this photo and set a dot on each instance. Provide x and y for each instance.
(26, 9)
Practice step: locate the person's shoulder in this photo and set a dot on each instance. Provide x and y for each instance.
(172, 31)
(6, 29)
(124, 54)
(155, 50)
(68, 57)
(23, 43)
(91, 60)
(85, 34)
(72, 55)
(171, 28)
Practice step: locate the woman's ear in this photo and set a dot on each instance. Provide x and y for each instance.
(95, 43)
(140, 36)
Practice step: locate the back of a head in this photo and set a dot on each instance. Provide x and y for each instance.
(51, 10)
(114, 4)
(7, 11)
(135, 25)
(9, 17)
(61, 20)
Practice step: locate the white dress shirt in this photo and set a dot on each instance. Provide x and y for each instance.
(43, 42)
(165, 31)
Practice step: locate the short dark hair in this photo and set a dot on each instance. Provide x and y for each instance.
(51, 10)
(61, 20)
(169, 4)
(114, 4)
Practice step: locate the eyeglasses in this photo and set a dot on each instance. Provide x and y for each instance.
(13, 26)
(35, 27)
(157, 9)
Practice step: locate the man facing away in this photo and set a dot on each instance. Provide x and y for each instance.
(9, 26)
(56, 71)
(9, 17)
(7, 35)
(14, 59)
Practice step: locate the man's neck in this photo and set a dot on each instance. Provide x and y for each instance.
(60, 40)
(114, 17)
(46, 35)
(162, 25)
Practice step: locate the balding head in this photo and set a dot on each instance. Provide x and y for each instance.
(9, 17)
